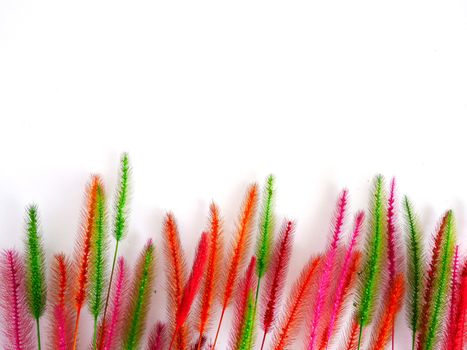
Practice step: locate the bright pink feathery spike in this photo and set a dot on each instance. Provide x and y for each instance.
(156, 340)
(325, 279)
(17, 324)
(61, 333)
(111, 332)
(391, 228)
(194, 283)
(358, 225)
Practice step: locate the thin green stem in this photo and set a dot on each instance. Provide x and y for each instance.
(38, 327)
(94, 337)
(111, 278)
(360, 335)
(413, 339)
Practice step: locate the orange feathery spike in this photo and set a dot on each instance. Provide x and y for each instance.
(352, 336)
(393, 303)
(295, 309)
(60, 300)
(210, 286)
(176, 278)
(83, 250)
(239, 250)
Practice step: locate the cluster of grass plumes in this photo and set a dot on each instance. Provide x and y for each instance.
(347, 297)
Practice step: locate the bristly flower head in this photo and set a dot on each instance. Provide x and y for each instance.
(138, 306)
(16, 323)
(84, 244)
(266, 229)
(176, 271)
(36, 286)
(121, 199)
(111, 330)
(98, 261)
(415, 261)
(328, 267)
(435, 306)
(276, 276)
(61, 318)
(210, 288)
(371, 274)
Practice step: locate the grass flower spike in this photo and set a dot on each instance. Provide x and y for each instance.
(210, 288)
(275, 278)
(346, 279)
(371, 274)
(98, 261)
(193, 284)
(176, 271)
(327, 269)
(36, 286)
(415, 269)
(239, 250)
(60, 302)
(436, 304)
(294, 313)
(16, 323)
(110, 330)
(120, 223)
(138, 304)
(242, 326)
(83, 252)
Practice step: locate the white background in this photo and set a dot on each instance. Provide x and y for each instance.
(210, 96)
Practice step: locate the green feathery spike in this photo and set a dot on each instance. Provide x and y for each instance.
(263, 250)
(414, 269)
(374, 247)
(441, 285)
(265, 238)
(36, 287)
(120, 218)
(97, 277)
(248, 325)
(141, 294)
(121, 202)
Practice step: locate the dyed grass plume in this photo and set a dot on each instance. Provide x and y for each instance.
(193, 284)
(176, 272)
(16, 322)
(60, 304)
(239, 250)
(98, 261)
(327, 269)
(210, 287)
(36, 285)
(371, 274)
(346, 279)
(139, 298)
(415, 269)
(120, 219)
(275, 278)
(294, 312)
(83, 252)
